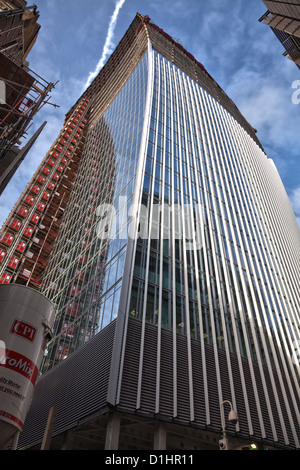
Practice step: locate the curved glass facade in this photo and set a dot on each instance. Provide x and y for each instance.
(175, 221)
(84, 275)
(206, 247)
(206, 262)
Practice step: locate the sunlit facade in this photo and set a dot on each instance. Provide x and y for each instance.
(178, 255)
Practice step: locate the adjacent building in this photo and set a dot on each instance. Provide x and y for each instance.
(161, 231)
(284, 20)
(22, 91)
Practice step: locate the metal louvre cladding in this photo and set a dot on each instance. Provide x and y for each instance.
(205, 266)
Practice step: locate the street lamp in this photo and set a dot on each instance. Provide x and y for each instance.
(232, 418)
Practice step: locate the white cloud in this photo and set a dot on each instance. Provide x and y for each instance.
(295, 202)
(266, 103)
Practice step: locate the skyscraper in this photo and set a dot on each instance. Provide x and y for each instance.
(163, 234)
(284, 20)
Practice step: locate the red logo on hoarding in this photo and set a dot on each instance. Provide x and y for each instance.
(24, 330)
(20, 364)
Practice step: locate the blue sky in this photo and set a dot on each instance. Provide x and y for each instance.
(242, 55)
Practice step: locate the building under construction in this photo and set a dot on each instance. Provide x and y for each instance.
(28, 235)
(22, 91)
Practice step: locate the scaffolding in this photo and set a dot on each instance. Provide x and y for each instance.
(28, 235)
(23, 91)
(25, 94)
(18, 29)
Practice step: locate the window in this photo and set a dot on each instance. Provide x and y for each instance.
(15, 224)
(22, 211)
(28, 231)
(35, 189)
(46, 170)
(41, 206)
(35, 218)
(5, 278)
(46, 196)
(7, 239)
(29, 200)
(21, 246)
(13, 262)
(41, 179)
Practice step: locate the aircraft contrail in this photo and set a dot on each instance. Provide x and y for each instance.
(108, 43)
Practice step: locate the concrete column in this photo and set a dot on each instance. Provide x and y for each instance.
(160, 436)
(113, 431)
(46, 444)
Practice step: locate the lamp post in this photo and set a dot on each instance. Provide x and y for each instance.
(232, 418)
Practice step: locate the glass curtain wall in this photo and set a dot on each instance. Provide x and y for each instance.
(84, 276)
(203, 265)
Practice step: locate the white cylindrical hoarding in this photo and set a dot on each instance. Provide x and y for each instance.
(26, 322)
